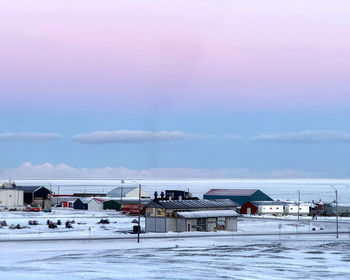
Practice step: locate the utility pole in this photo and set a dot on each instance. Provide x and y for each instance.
(138, 222)
(336, 210)
(336, 201)
(298, 204)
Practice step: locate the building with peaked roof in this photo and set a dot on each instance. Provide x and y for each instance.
(95, 204)
(128, 192)
(191, 215)
(275, 207)
(11, 197)
(81, 203)
(14, 196)
(239, 196)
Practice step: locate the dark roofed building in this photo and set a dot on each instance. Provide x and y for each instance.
(36, 194)
(191, 215)
(239, 196)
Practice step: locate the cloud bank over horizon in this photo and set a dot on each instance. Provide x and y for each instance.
(63, 171)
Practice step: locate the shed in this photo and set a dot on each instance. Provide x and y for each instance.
(111, 205)
(239, 196)
(249, 208)
(95, 204)
(81, 203)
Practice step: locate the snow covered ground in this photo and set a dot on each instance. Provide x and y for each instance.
(196, 258)
(87, 224)
(219, 257)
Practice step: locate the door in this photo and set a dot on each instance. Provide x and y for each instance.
(249, 211)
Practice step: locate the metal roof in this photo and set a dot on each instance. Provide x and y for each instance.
(232, 192)
(84, 200)
(121, 191)
(193, 204)
(30, 188)
(208, 214)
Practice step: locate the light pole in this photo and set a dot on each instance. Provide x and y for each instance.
(336, 209)
(139, 214)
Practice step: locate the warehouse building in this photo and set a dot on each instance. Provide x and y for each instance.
(128, 192)
(191, 215)
(239, 196)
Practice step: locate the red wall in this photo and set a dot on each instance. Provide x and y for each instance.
(246, 205)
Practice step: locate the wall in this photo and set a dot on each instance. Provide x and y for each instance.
(271, 209)
(95, 206)
(293, 209)
(11, 197)
(231, 224)
(155, 224)
(135, 193)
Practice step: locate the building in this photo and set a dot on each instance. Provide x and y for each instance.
(10, 196)
(239, 196)
(81, 203)
(128, 192)
(36, 195)
(249, 208)
(270, 207)
(191, 215)
(112, 205)
(177, 195)
(13, 195)
(275, 208)
(95, 204)
(292, 209)
(331, 209)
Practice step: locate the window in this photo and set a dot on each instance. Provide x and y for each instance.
(270, 208)
(201, 224)
(277, 208)
(221, 221)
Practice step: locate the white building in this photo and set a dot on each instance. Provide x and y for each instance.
(128, 192)
(270, 207)
(96, 204)
(11, 196)
(292, 209)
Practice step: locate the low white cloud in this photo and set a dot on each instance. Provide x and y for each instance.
(63, 171)
(28, 136)
(305, 137)
(134, 136)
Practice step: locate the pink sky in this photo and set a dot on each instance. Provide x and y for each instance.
(244, 53)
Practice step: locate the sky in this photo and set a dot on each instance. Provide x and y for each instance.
(183, 88)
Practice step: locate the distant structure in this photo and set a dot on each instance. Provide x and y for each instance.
(12, 195)
(239, 196)
(191, 215)
(275, 208)
(128, 192)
